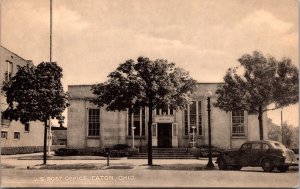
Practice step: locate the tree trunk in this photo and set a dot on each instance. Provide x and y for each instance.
(260, 121)
(45, 143)
(150, 136)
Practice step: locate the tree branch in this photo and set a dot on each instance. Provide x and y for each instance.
(277, 107)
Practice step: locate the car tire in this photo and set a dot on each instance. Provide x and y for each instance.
(222, 164)
(283, 168)
(267, 165)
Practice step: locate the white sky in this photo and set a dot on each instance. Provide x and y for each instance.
(205, 37)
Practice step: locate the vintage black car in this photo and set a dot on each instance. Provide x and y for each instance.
(266, 154)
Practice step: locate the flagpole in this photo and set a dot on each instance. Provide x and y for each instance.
(50, 31)
(49, 133)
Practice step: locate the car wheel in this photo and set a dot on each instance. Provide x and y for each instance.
(222, 164)
(283, 168)
(267, 165)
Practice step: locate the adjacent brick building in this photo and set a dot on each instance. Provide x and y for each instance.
(90, 126)
(15, 136)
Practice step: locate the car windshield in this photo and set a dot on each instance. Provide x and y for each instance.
(278, 145)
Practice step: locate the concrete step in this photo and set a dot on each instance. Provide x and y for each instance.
(163, 157)
(165, 153)
(169, 149)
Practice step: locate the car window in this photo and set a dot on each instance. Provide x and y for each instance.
(256, 146)
(278, 145)
(265, 146)
(246, 146)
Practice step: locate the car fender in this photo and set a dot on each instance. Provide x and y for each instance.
(275, 158)
(228, 159)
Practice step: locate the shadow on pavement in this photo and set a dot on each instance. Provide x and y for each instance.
(257, 169)
(83, 166)
(4, 166)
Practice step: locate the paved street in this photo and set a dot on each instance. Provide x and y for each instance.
(145, 177)
(16, 174)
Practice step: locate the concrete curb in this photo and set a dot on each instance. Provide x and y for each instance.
(122, 166)
(68, 158)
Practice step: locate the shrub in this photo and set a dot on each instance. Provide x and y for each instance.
(99, 152)
(116, 151)
(215, 151)
(21, 150)
(87, 151)
(132, 151)
(121, 147)
(143, 149)
(66, 152)
(113, 153)
(123, 153)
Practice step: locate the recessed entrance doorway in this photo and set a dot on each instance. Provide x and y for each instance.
(164, 135)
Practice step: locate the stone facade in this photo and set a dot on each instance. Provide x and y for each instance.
(15, 134)
(170, 128)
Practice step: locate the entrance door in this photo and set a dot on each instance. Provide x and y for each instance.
(164, 135)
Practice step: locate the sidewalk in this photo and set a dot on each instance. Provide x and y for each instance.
(34, 161)
(40, 157)
(23, 155)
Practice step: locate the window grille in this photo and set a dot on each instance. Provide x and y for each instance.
(94, 122)
(238, 123)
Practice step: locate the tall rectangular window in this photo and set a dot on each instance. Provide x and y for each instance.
(143, 121)
(94, 122)
(171, 111)
(193, 118)
(138, 120)
(186, 122)
(4, 134)
(238, 123)
(166, 110)
(9, 69)
(17, 135)
(26, 127)
(157, 111)
(129, 124)
(199, 118)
